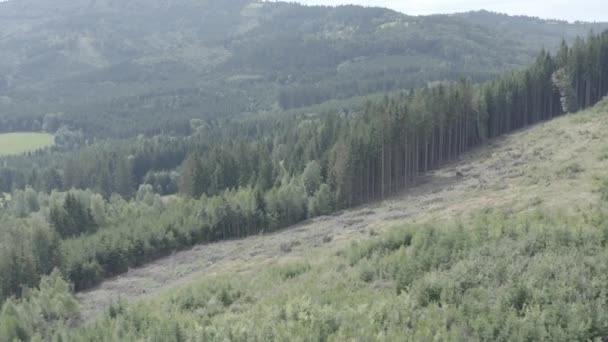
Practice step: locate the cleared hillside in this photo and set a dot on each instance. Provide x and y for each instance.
(555, 167)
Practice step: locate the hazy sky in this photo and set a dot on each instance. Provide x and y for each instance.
(587, 10)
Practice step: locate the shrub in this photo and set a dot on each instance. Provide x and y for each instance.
(570, 171)
(291, 270)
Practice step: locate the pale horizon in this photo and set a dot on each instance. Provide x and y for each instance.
(590, 10)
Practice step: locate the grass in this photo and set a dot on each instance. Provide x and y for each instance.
(19, 143)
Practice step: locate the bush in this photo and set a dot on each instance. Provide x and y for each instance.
(40, 313)
(291, 270)
(603, 190)
(570, 171)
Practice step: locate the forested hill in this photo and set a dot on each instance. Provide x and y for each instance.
(529, 30)
(117, 68)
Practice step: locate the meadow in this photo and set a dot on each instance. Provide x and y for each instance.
(19, 143)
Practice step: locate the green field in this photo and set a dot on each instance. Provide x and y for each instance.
(18, 143)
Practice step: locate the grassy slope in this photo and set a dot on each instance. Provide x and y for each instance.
(18, 143)
(512, 250)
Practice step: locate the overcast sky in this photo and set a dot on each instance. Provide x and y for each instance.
(586, 10)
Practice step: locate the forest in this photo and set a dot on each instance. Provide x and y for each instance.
(96, 211)
(114, 70)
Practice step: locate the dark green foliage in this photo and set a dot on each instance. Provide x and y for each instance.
(28, 250)
(142, 232)
(570, 170)
(113, 166)
(73, 218)
(162, 182)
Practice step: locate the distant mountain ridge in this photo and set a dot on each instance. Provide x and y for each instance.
(119, 68)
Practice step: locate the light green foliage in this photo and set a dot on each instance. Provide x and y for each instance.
(98, 209)
(603, 190)
(287, 204)
(19, 206)
(25, 202)
(146, 194)
(18, 143)
(563, 82)
(291, 270)
(312, 177)
(40, 312)
(322, 203)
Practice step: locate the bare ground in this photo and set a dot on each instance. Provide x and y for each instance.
(516, 171)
